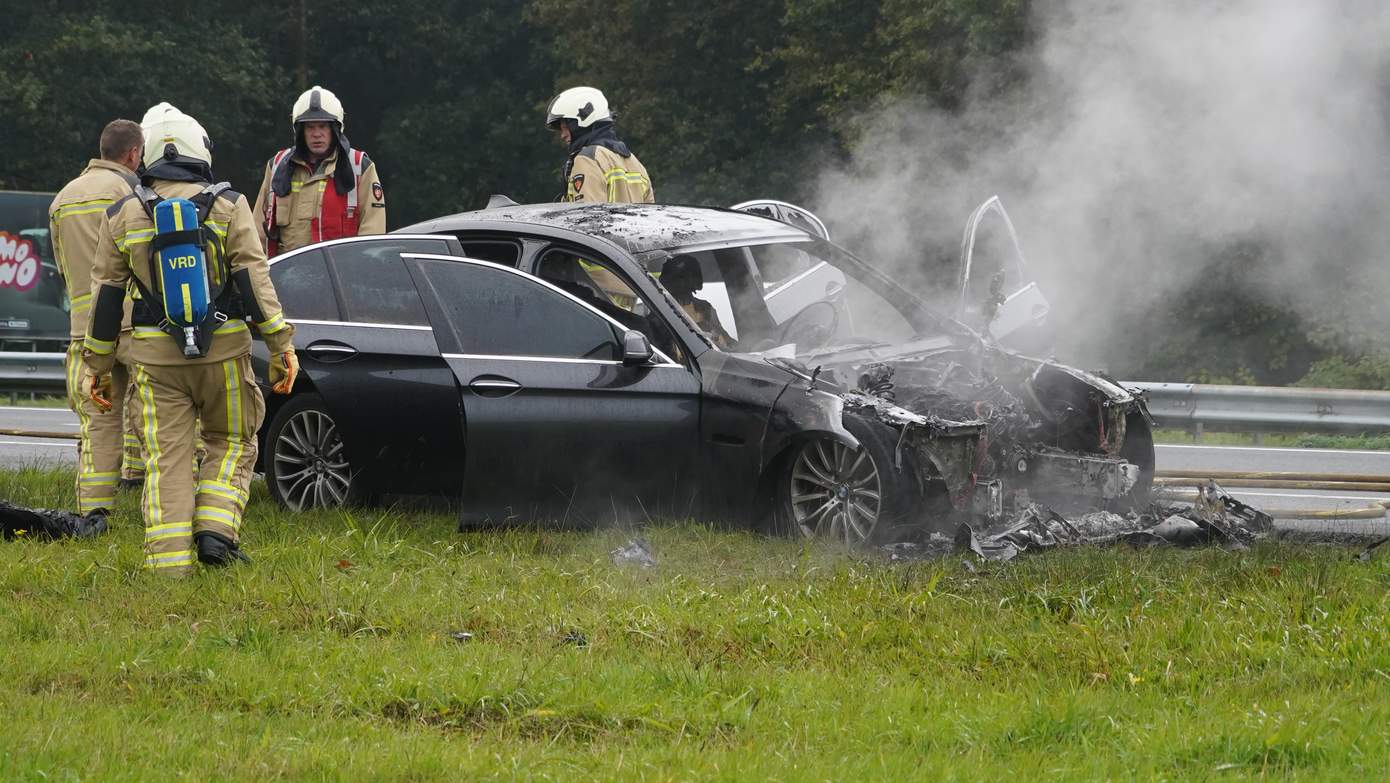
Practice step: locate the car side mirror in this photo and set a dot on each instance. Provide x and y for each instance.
(636, 349)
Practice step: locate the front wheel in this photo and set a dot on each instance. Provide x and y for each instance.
(855, 496)
(307, 466)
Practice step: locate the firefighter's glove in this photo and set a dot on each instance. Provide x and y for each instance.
(284, 368)
(97, 387)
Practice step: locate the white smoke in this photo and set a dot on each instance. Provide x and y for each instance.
(1146, 134)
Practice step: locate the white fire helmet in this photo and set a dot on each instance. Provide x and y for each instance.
(165, 126)
(584, 105)
(318, 105)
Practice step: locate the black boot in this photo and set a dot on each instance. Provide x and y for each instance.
(215, 550)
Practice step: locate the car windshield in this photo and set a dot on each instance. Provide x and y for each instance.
(787, 299)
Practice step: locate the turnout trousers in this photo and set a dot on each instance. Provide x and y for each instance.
(181, 497)
(106, 443)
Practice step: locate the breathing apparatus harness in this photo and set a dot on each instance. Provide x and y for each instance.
(180, 273)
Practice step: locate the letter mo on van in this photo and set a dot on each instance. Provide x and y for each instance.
(19, 263)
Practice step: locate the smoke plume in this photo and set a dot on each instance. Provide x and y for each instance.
(1148, 139)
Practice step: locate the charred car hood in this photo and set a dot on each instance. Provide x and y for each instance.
(975, 352)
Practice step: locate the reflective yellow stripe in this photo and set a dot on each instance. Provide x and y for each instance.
(273, 324)
(210, 514)
(222, 490)
(99, 347)
(88, 505)
(187, 302)
(153, 514)
(77, 401)
(147, 332)
(219, 229)
(81, 208)
(67, 213)
(167, 531)
(134, 238)
(231, 326)
(169, 559)
(97, 479)
(178, 220)
(232, 374)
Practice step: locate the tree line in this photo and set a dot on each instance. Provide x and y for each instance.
(723, 100)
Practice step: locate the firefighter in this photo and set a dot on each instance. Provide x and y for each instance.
(186, 377)
(74, 220)
(681, 277)
(321, 188)
(600, 168)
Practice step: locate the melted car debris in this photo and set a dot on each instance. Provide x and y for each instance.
(1214, 518)
(18, 522)
(635, 552)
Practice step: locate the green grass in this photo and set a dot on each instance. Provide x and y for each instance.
(35, 401)
(736, 658)
(1294, 440)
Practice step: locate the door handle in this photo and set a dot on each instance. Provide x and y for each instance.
(327, 351)
(494, 386)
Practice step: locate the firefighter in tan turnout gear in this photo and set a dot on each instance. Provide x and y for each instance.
(321, 188)
(188, 252)
(600, 168)
(74, 222)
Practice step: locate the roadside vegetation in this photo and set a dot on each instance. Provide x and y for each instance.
(373, 645)
(1290, 440)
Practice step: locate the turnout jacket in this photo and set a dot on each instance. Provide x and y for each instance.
(74, 221)
(123, 256)
(313, 210)
(603, 169)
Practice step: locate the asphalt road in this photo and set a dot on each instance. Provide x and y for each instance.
(20, 452)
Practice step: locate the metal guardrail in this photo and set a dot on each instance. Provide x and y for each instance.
(39, 372)
(1188, 406)
(1266, 408)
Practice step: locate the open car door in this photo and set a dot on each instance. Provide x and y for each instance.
(997, 293)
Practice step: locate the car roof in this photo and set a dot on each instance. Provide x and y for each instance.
(637, 228)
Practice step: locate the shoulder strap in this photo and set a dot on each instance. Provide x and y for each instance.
(120, 202)
(357, 157)
(205, 198)
(273, 202)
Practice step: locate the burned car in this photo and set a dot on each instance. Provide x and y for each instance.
(577, 361)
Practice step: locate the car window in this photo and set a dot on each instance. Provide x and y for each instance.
(496, 312)
(303, 287)
(598, 283)
(498, 251)
(375, 285)
(814, 303)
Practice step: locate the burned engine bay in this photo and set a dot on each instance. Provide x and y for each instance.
(996, 433)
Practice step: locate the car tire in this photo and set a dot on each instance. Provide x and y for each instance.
(858, 497)
(306, 465)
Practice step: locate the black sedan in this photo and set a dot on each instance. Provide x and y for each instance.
(573, 362)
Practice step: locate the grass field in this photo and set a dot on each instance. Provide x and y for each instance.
(1282, 440)
(339, 655)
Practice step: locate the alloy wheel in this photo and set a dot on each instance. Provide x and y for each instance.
(835, 492)
(311, 468)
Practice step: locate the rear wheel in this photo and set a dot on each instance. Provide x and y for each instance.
(854, 496)
(307, 466)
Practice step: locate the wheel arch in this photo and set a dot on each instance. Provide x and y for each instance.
(273, 404)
